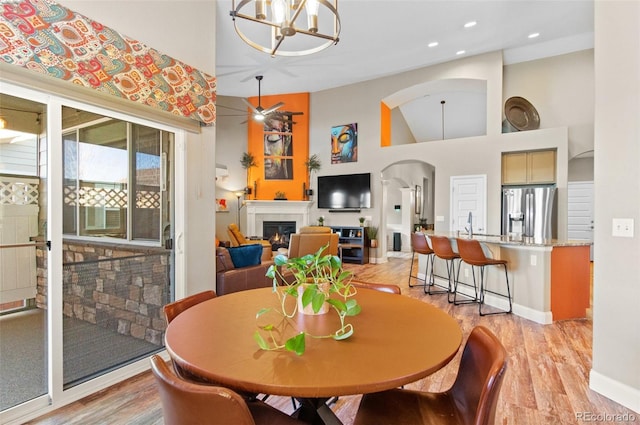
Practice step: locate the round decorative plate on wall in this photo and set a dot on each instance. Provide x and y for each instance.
(521, 114)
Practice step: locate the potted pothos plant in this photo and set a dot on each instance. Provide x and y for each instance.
(319, 284)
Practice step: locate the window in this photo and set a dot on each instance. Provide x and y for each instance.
(115, 178)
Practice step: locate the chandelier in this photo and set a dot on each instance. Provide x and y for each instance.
(281, 20)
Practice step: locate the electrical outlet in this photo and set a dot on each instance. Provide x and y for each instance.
(533, 260)
(466, 272)
(622, 227)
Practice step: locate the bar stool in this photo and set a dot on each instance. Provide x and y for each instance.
(471, 252)
(442, 249)
(419, 245)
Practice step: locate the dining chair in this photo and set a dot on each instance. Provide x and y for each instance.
(419, 245)
(471, 400)
(172, 310)
(471, 253)
(175, 308)
(188, 403)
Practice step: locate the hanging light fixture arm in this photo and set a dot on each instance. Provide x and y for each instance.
(286, 28)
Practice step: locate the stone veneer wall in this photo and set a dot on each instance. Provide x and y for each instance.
(119, 287)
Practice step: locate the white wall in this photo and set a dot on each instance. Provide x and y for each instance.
(561, 88)
(176, 29)
(616, 294)
(478, 155)
(231, 134)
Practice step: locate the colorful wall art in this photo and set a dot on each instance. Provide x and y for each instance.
(344, 143)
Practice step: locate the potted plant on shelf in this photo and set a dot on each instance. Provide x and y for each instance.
(312, 164)
(372, 233)
(247, 161)
(361, 220)
(280, 196)
(319, 284)
(321, 221)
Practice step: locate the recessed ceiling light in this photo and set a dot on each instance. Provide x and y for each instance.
(470, 24)
(461, 52)
(433, 44)
(534, 35)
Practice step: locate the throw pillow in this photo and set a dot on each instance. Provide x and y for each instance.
(245, 255)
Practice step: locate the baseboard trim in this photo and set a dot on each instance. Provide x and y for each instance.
(617, 391)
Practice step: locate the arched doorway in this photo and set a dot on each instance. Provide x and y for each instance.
(407, 200)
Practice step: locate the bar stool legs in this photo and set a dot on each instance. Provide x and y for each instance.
(419, 245)
(452, 278)
(484, 290)
(427, 277)
(471, 252)
(470, 299)
(443, 250)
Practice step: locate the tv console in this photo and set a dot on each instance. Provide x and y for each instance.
(353, 243)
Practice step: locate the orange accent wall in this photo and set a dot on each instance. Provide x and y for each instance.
(385, 125)
(266, 189)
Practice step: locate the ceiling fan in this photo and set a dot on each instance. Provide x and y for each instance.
(260, 113)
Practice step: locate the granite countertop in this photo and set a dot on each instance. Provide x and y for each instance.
(515, 241)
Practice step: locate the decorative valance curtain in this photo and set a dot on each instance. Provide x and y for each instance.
(45, 37)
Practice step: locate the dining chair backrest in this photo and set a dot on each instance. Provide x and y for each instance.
(442, 247)
(175, 308)
(480, 375)
(301, 244)
(187, 403)
(419, 243)
(382, 287)
(471, 252)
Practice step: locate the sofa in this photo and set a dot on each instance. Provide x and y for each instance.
(230, 278)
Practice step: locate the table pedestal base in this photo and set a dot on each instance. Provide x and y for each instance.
(316, 412)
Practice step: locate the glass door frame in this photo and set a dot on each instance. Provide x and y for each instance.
(57, 396)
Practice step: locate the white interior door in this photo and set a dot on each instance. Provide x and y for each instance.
(580, 211)
(469, 194)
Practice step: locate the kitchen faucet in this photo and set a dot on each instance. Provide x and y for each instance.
(469, 229)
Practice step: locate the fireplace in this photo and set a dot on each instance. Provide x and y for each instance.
(260, 211)
(277, 232)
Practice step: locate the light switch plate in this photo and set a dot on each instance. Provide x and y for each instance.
(439, 218)
(622, 227)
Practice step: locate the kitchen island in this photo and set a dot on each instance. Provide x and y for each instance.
(549, 279)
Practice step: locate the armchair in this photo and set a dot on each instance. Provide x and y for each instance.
(237, 239)
(310, 239)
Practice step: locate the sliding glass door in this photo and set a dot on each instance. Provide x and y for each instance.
(117, 268)
(86, 247)
(23, 251)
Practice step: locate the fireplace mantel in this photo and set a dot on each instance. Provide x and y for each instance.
(259, 211)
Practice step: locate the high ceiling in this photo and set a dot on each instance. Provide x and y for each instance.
(383, 37)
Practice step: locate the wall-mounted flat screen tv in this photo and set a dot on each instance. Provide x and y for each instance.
(344, 192)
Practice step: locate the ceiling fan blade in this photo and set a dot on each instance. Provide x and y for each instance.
(285, 113)
(250, 105)
(230, 108)
(273, 108)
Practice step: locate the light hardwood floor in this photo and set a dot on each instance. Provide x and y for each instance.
(546, 380)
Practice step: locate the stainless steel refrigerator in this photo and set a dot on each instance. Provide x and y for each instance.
(529, 211)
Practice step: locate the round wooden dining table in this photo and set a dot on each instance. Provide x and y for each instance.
(397, 340)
